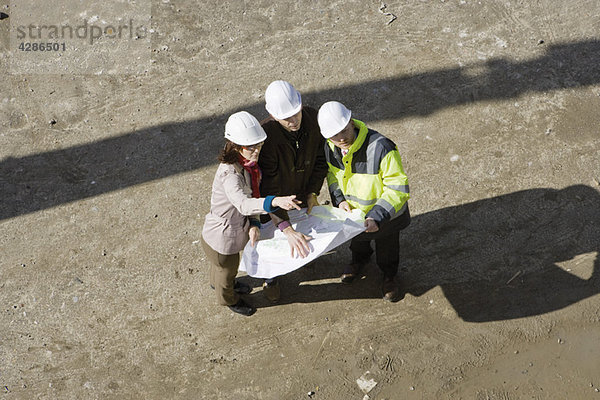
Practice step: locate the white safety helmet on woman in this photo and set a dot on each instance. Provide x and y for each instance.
(243, 129)
(282, 100)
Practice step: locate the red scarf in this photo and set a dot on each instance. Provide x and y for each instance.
(255, 174)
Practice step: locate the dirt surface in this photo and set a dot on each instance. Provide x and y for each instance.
(105, 180)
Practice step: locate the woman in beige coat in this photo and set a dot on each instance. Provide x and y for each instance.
(234, 208)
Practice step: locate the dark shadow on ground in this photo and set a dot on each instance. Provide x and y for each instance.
(40, 181)
(495, 259)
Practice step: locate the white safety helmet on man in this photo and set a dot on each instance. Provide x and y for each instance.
(282, 100)
(333, 117)
(243, 129)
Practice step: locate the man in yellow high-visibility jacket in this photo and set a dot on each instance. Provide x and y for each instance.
(365, 172)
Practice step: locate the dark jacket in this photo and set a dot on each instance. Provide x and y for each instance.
(292, 162)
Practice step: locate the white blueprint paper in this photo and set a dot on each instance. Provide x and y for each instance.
(328, 226)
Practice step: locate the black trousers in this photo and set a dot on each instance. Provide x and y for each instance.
(387, 250)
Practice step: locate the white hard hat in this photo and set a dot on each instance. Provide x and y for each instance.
(282, 100)
(333, 116)
(244, 130)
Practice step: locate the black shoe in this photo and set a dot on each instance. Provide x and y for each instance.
(238, 287)
(241, 307)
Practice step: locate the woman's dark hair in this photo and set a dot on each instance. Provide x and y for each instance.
(230, 153)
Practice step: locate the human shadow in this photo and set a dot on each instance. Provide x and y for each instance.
(318, 282)
(495, 259)
(40, 181)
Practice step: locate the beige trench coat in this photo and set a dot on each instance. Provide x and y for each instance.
(231, 205)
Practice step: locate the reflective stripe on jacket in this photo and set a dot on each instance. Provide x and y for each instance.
(370, 177)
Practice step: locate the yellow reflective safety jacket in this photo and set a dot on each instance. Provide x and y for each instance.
(369, 177)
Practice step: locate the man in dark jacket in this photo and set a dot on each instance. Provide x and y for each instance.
(292, 161)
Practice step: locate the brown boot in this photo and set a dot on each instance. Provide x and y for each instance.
(272, 291)
(351, 272)
(390, 289)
